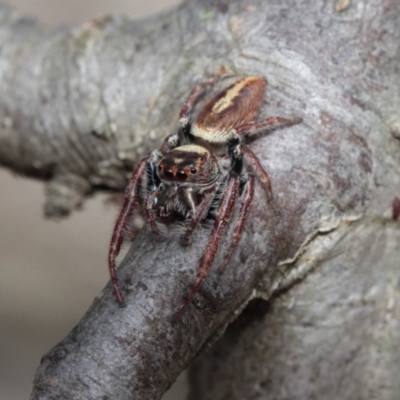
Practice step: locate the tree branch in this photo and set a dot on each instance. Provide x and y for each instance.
(334, 336)
(80, 106)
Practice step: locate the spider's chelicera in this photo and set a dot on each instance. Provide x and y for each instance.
(183, 181)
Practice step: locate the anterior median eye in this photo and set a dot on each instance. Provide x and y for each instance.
(181, 175)
(168, 173)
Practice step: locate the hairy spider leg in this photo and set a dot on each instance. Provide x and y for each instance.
(130, 202)
(169, 143)
(172, 140)
(248, 129)
(247, 199)
(251, 128)
(253, 160)
(237, 149)
(187, 107)
(224, 213)
(199, 215)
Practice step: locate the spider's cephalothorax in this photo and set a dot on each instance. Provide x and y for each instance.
(183, 182)
(189, 176)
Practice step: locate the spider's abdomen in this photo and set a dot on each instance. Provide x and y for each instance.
(234, 106)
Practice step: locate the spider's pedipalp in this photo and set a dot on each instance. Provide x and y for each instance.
(199, 215)
(151, 201)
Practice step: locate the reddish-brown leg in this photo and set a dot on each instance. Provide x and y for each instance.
(169, 143)
(130, 202)
(187, 107)
(221, 221)
(254, 127)
(259, 170)
(247, 198)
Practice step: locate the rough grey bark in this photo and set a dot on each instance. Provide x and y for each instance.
(79, 106)
(335, 336)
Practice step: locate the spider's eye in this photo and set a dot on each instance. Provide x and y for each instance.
(168, 173)
(159, 167)
(193, 170)
(181, 175)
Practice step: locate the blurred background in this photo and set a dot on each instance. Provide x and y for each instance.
(50, 271)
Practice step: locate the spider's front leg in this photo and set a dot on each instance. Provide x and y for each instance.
(132, 195)
(223, 215)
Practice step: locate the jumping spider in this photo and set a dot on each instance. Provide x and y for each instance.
(184, 181)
